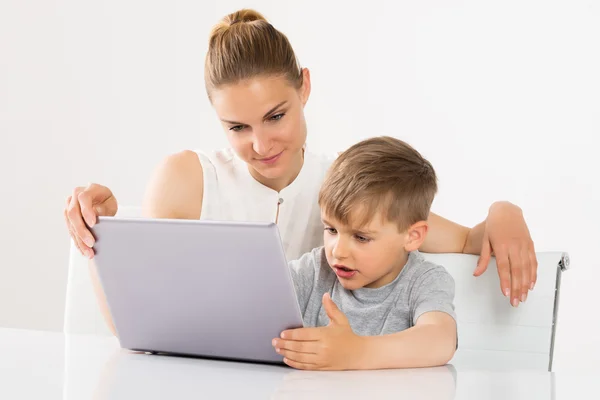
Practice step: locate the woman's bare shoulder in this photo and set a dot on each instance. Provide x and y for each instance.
(176, 187)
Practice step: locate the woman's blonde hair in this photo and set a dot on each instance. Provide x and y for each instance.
(245, 45)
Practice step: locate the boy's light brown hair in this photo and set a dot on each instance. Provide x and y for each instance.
(379, 174)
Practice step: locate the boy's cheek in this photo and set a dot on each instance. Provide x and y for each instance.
(328, 252)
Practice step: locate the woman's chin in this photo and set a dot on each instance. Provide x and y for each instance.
(274, 170)
(269, 172)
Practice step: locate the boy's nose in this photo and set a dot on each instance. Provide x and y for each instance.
(340, 250)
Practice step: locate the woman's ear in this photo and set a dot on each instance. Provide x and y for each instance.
(305, 88)
(416, 235)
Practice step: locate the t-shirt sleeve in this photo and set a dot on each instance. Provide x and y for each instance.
(304, 276)
(433, 291)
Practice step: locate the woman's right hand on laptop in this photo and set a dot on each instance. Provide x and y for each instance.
(83, 206)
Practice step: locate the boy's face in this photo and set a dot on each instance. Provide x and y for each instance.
(370, 256)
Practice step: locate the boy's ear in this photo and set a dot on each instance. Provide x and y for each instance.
(416, 235)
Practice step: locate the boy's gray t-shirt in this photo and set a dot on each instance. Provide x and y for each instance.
(421, 287)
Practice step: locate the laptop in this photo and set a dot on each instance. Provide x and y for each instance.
(213, 289)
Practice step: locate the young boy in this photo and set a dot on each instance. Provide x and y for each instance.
(368, 298)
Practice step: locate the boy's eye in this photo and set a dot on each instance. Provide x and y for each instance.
(236, 128)
(332, 231)
(277, 117)
(362, 239)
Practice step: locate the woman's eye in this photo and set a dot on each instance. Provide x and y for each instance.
(236, 128)
(277, 117)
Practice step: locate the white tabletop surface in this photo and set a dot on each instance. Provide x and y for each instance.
(50, 365)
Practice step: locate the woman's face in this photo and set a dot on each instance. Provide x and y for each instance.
(263, 118)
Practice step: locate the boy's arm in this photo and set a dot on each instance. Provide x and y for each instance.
(431, 342)
(304, 272)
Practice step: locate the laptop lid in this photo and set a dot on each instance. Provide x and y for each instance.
(203, 288)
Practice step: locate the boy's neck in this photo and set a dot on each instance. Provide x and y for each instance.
(392, 275)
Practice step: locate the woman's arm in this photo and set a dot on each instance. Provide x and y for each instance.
(176, 188)
(504, 234)
(445, 236)
(174, 191)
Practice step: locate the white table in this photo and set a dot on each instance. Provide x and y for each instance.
(48, 365)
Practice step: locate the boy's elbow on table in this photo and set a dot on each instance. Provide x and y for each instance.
(447, 353)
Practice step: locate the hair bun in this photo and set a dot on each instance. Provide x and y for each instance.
(244, 15)
(245, 45)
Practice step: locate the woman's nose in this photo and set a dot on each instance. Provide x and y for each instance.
(261, 144)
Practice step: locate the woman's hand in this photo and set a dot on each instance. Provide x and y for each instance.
(507, 237)
(83, 207)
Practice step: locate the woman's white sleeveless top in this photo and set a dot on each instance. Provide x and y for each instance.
(232, 194)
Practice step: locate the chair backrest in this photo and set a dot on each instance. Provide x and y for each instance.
(82, 314)
(487, 324)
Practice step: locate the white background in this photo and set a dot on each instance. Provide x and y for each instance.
(502, 97)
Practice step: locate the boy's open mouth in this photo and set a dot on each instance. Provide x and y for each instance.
(344, 272)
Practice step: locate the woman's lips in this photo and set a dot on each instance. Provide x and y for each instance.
(271, 160)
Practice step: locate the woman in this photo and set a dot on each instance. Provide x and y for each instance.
(259, 91)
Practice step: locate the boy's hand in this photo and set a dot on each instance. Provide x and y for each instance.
(332, 347)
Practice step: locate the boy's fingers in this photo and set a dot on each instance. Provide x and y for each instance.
(300, 347)
(298, 357)
(299, 365)
(332, 310)
(302, 334)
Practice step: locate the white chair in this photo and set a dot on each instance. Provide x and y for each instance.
(488, 326)
(82, 314)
